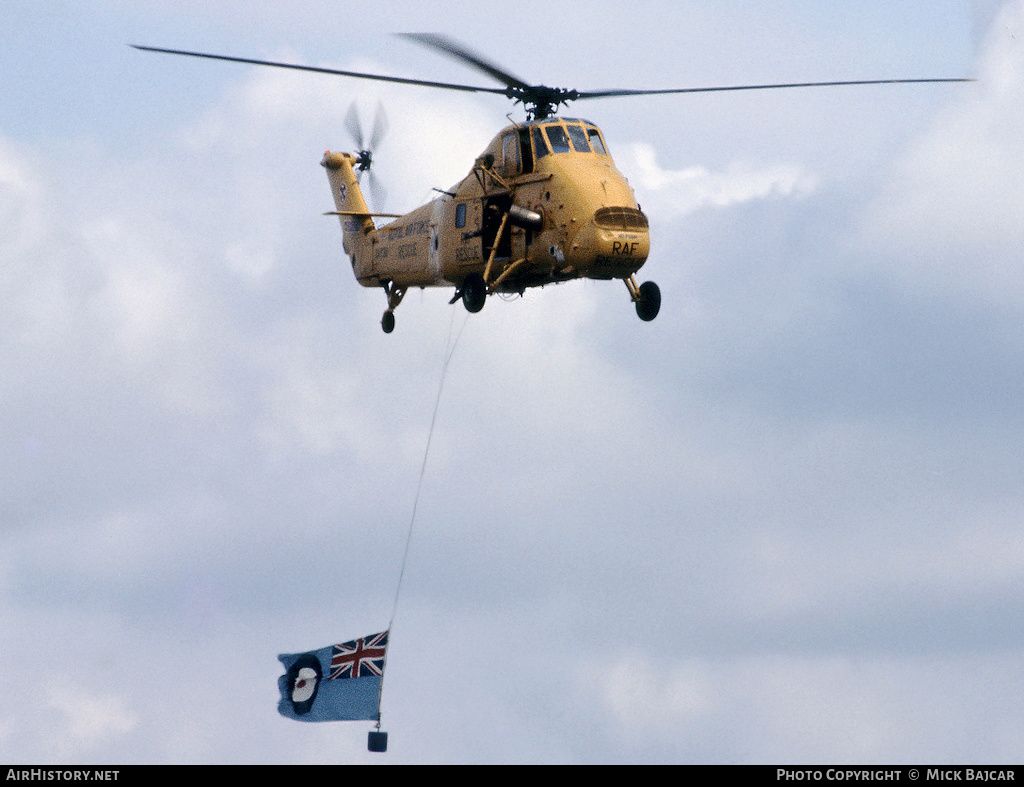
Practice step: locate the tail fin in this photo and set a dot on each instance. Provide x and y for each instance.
(356, 221)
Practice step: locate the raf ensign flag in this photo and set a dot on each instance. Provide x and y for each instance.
(336, 683)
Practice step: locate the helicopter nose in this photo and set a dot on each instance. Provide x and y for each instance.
(615, 242)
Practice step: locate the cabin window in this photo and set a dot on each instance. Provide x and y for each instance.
(540, 146)
(460, 215)
(596, 141)
(559, 141)
(578, 137)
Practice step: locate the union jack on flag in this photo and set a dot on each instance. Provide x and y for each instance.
(359, 658)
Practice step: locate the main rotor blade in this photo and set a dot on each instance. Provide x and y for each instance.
(334, 71)
(614, 93)
(541, 99)
(458, 51)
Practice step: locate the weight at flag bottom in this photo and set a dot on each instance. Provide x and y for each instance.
(338, 683)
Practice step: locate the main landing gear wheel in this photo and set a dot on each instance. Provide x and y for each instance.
(474, 292)
(649, 303)
(395, 295)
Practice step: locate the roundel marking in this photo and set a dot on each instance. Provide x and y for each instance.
(304, 678)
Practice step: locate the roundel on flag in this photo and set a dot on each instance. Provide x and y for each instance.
(303, 682)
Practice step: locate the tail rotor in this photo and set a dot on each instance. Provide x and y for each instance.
(364, 155)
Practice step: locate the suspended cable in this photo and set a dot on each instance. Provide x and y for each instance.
(449, 351)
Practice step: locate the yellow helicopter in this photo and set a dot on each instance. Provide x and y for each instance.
(544, 203)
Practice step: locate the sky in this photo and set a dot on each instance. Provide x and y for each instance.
(779, 524)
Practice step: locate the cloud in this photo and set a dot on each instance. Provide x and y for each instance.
(776, 523)
(952, 215)
(19, 203)
(675, 193)
(88, 719)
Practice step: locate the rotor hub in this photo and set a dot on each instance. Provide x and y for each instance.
(541, 101)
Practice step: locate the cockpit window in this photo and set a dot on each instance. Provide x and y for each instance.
(525, 150)
(510, 151)
(596, 141)
(539, 145)
(559, 141)
(578, 137)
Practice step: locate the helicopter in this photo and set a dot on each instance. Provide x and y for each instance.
(543, 204)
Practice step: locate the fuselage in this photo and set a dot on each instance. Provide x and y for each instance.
(544, 203)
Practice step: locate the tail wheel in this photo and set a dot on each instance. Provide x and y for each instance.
(649, 303)
(387, 322)
(474, 292)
